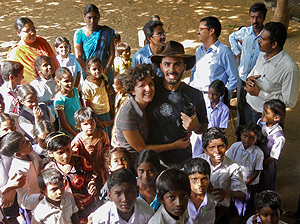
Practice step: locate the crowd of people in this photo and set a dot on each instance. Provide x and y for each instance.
(100, 137)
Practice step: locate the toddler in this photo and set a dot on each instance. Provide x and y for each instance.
(250, 157)
(118, 86)
(12, 75)
(123, 62)
(57, 206)
(124, 206)
(44, 83)
(32, 111)
(173, 191)
(95, 92)
(76, 170)
(226, 175)
(148, 168)
(66, 101)
(271, 121)
(268, 207)
(65, 59)
(91, 143)
(201, 205)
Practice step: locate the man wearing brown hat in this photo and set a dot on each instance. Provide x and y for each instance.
(177, 109)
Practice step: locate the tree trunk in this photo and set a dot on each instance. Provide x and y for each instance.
(282, 13)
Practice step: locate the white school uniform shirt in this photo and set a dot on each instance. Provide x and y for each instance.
(28, 195)
(161, 216)
(249, 221)
(206, 213)
(45, 88)
(108, 213)
(48, 213)
(227, 175)
(279, 141)
(250, 159)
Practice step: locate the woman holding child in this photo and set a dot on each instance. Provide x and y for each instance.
(131, 124)
(95, 40)
(29, 48)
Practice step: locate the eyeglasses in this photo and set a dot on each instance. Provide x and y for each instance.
(33, 30)
(203, 28)
(160, 34)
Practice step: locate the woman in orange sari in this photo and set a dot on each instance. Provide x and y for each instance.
(29, 48)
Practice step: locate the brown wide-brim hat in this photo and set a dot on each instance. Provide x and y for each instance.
(174, 49)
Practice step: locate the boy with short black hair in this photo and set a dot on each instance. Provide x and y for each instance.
(12, 75)
(226, 175)
(124, 206)
(173, 192)
(201, 205)
(58, 206)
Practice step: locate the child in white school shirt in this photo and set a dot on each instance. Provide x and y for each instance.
(124, 207)
(226, 175)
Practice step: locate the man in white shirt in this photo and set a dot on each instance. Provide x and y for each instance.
(275, 75)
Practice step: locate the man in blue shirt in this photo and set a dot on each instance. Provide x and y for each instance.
(214, 60)
(250, 50)
(156, 38)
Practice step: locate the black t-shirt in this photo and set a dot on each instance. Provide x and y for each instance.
(165, 119)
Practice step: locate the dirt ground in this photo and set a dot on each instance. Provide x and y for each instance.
(180, 17)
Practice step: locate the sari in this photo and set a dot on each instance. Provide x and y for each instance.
(26, 55)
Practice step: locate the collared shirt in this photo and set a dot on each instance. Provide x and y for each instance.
(278, 142)
(108, 213)
(206, 213)
(161, 216)
(249, 221)
(48, 213)
(10, 97)
(71, 63)
(45, 88)
(227, 175)
(143, 56)
(216, 63)
(279, 80)
(250, 159)
(250, 49)
(218, 116)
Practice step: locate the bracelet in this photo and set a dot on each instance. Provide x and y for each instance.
(108, 66)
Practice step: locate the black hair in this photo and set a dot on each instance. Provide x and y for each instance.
(10, 143)
(57, 140)
(84, 114)
(91, 61)
(138, 73)
(91, 8)
(117, 149)
(38, 62)
(277, 32)
(42, 127)
(278, 108)
(59, 75)
(172, 180)
(213, 23)
(267, 199)
(155, 17)
(120, 78)
(10, 68)
(121, 47)
(259, 7)
(49, 176)
(252, 127)
(118, 177)
(148, 156)
(59, 40)
(196, 165)
(5, 117)
(25, 90)
(21, 22)
(150, 27)
(117, 38)
(212, 134)
(219, 86)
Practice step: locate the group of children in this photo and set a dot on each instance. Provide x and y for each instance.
(73, 175)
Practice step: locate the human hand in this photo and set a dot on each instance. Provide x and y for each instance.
(17, 181)
(107, 123)
(8, 198)
(183, 142)
(220, 194)
(189, 123)
(79, 200)
(251, 86)
(37, 113)
(91, 188)
(256, 219)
